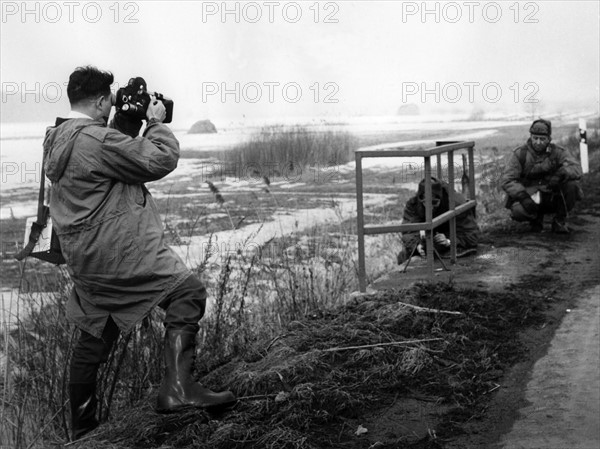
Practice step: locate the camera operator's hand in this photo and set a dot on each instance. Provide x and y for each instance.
(156, 110)
(440, 239)
(126, 124)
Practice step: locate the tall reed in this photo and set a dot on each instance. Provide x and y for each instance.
(283, 151)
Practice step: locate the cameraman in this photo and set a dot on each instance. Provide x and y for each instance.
(112, 239)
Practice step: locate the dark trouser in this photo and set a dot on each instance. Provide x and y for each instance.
(89, 352)
(560, 203)
(184, 307)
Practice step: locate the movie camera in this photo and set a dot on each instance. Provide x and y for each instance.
(134, 99)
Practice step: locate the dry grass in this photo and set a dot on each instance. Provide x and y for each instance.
(297, 393)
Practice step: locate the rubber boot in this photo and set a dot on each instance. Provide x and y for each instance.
(537, 225)
(559, 226)
(83, 409)
(178, 390)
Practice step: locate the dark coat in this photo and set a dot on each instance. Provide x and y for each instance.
(467, 231)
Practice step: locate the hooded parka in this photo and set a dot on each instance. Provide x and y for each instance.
(107, 223)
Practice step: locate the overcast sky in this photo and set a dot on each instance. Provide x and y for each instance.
(288, 59)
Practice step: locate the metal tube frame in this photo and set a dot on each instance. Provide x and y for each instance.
(395, 150)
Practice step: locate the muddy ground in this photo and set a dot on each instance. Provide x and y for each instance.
(550, 397)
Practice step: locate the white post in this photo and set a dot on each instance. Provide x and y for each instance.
(583, 148)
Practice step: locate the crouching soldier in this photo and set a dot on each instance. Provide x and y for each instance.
(541, 178)
(467, 231)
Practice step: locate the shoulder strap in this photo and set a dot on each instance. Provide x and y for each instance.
(522, 157)
(43, 212)
(40, 223)
(41, 195)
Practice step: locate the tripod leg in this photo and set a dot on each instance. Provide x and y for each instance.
(409, 258)
(440, 259)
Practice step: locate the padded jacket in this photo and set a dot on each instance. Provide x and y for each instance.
(526, 169)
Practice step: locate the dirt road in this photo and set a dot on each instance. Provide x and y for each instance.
(562, 409)
(564, 390)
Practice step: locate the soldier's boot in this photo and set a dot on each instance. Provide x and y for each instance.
(537, 224)
(559, 226)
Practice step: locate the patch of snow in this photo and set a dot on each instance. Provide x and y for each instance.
(15, 306)
(292, 185)
(251, 238)
(18, 210)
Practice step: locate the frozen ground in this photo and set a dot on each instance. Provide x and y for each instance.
(251, 238)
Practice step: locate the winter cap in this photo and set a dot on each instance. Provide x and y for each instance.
(541, 127)
(436, 188)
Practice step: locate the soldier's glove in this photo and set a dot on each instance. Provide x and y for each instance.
(441, 240)
(555, 181)
(127, 124)
(527, 203)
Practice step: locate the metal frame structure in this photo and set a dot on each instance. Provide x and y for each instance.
(396, 150)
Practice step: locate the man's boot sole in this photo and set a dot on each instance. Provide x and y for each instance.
(190, 407)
